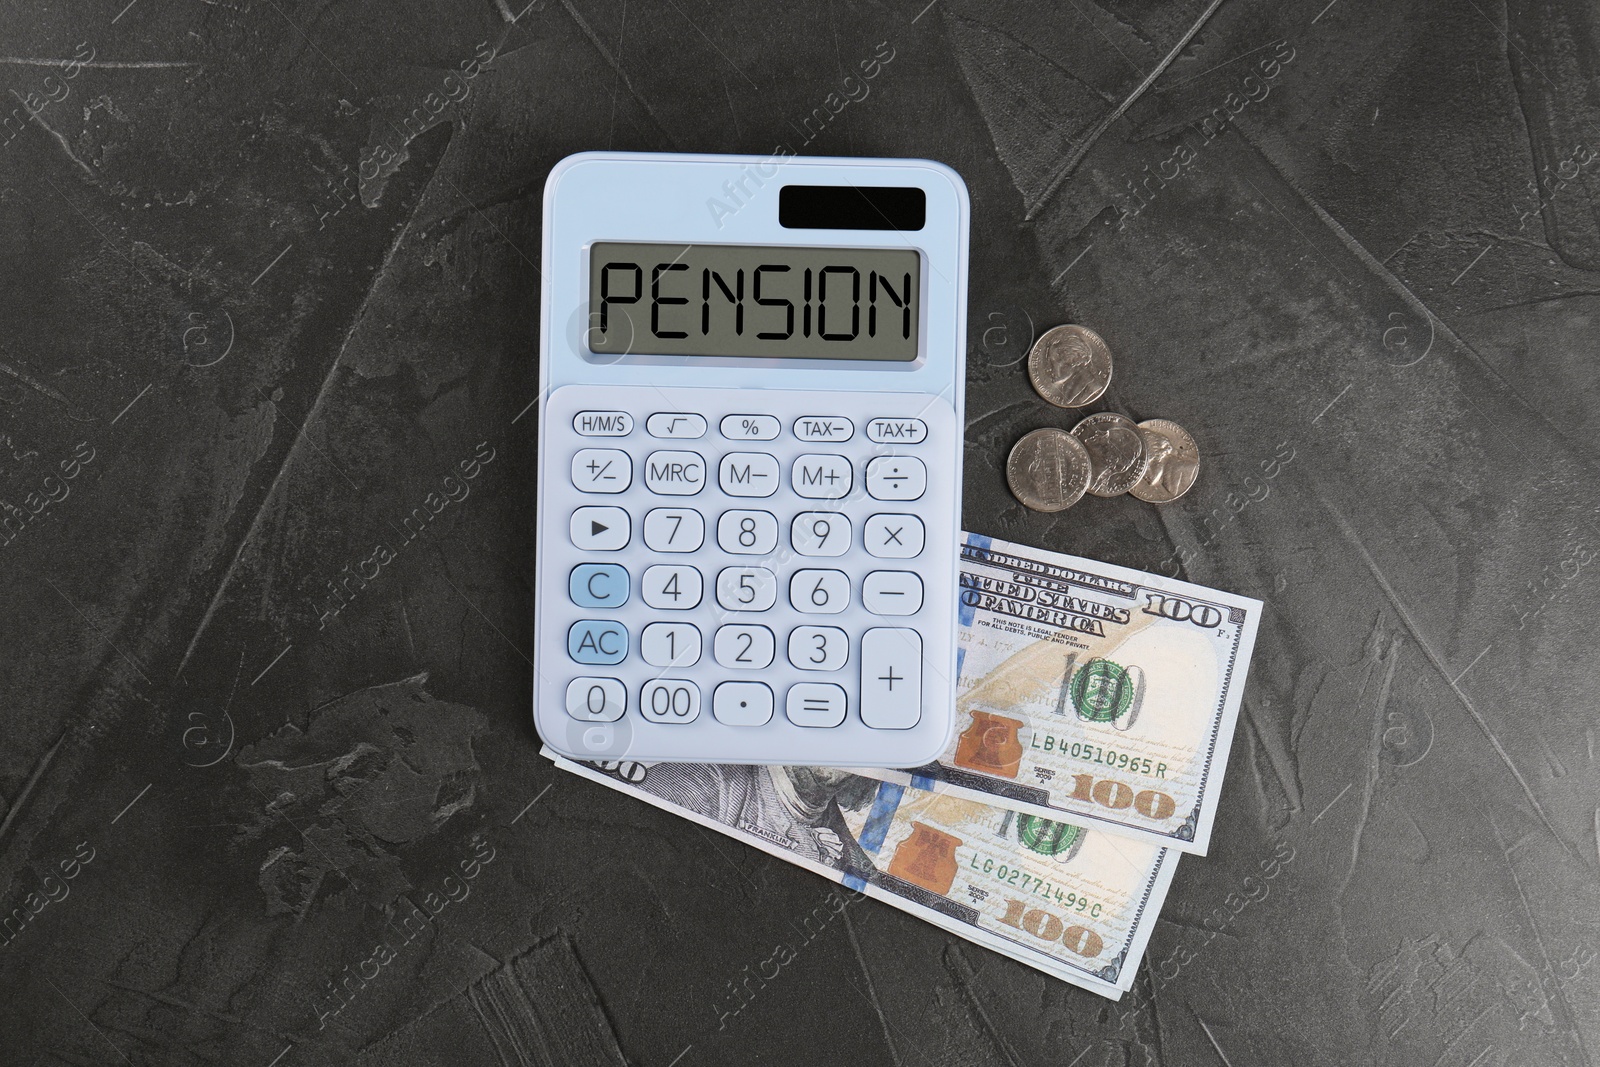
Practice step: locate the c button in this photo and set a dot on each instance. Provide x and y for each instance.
(598, 585)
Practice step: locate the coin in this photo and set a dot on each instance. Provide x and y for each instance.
(1174, 461)
(1048, 470)
(1070, 366)
(1116, 452)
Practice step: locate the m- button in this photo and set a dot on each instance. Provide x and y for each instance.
(824, 428)
(748, 474)
(673, 473)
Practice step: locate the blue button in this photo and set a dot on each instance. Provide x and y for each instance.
(598, 585)
(595, 641)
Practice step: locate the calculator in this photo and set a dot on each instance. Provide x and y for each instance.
(750, 444)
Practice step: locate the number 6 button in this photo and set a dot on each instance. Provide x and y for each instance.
(819, 592)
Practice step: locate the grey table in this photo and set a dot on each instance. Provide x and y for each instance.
(269, 787)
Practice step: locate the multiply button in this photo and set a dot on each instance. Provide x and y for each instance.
(821, 477)
(597, 641)
(750, 427)
(675, 473)
(601, 470)
(678, 425)
(600, 529)
(598, 585)
(893, 536)
(823, 428)
(897, 431)
(748, 474)
(896, 478)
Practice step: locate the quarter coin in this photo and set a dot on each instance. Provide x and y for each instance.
(1174, 461)
(1116, 452)
(1048, 470)
(1070, 366)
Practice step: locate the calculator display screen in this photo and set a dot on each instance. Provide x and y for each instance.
(754, 300)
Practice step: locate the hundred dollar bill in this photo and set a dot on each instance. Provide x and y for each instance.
(1092, 693)
(1074, 903)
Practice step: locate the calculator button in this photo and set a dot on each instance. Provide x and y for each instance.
(892, 593)
(600, 529)
(670, 644)
(817, 592)
(677, 425)
(597, 641)
(747, 588)
(669, 700)
(598, 585)
(815, 704)
(675, 473)
(891, 678)
(820, 533)
(742, 704)
(596, 699)
(818, 648)
(821, 477)
(743, 648)
(747, 533)
(601, 470)
(748, 474)
(603, 423)
(824, 428)
(674, 530)
(893, 536)
(897, 431)
(750, 427)
(896, 478)
(672, 588)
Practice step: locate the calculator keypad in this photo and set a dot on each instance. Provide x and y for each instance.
(774, 562)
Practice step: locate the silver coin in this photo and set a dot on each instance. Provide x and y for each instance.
(1116, 451)
(1048, 470)
(1174, 462)
(1070, 366)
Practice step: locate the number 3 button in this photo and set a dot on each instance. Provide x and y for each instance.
(818, 648)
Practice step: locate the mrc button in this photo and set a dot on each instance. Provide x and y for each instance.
(675, 473)
(897, 431)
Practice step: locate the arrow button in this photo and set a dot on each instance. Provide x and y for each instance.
(600, 529)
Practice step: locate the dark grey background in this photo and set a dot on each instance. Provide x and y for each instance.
(256, 348)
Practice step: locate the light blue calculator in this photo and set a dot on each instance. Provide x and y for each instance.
(750, 445)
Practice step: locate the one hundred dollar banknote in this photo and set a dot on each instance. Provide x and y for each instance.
(1074, 903)
(1096, 694)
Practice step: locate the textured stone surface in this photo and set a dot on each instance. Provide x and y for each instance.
(269, 790)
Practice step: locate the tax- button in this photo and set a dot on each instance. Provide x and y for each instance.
(597, 641)
(823, 428)
(672, 473)
(896, 478)
(598, 585)
(821, 477)
(601, 470)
